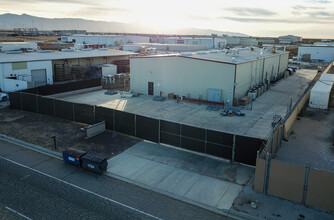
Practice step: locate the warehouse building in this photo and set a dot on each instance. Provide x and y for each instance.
(107, 40)
(316, 53)
(15, 46)
(211, 42)
(218, 76)
(289, 39)
(167, 47)
(248, 41)
(20, 71)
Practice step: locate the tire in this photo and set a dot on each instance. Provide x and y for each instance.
(4, 98)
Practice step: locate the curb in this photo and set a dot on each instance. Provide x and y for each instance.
(243, 215)
(227, 213)
(32, 147)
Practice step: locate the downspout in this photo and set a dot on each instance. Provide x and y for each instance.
(263, 68)
(3, 76)
(279, 64)
(234, 84)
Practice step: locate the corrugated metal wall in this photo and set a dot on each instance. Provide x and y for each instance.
(181, 76)
(284, 62)
(251, 74)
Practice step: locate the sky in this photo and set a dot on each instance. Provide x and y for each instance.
(306, 18)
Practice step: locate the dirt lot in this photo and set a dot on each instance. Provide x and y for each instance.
(28, 38)
(38, 129)
(311, 140)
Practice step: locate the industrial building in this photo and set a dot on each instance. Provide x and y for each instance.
(20, 71)
(14, 46)
(212, 42)
(248, 41)
(218, 76)
(163, 47)
(107, 40)
(289, 39)
(316, 53)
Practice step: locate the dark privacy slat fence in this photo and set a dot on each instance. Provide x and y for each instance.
(220, 144)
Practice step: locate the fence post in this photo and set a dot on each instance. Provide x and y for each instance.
(266, 174)
(94, 117)
(180, 135)
(54, 108)
(159, 130)
(73, 112)
(37, 104)
(114, 119)
(307, 173)
(233, 150)
(205, 141)
(21, 101)
(135, 125)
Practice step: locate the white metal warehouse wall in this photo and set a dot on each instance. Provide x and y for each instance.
(181, 76)
(251, 73)
(25, 74)
(317, 53)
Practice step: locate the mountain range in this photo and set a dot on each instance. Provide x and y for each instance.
(10, 21)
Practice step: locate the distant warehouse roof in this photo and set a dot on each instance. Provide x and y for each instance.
(233, 56)
(60, 55)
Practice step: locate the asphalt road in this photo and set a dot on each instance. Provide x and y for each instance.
(36, 186)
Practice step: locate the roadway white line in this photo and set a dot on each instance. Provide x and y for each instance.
(83, 189)
(16, 212)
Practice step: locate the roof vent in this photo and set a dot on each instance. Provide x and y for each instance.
(186, 53)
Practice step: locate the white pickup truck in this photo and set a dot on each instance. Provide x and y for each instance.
(3, 96)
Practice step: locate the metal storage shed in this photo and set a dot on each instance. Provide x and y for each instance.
(320, 93)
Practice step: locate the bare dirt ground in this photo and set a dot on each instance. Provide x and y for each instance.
(28, 38)
(311, 140)
(38, 129)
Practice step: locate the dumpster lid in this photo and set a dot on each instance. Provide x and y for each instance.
(98, 158)
(74, 152)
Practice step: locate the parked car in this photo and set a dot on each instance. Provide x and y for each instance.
(4, 96)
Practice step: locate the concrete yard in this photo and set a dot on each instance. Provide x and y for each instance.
(187, 176)
(256, 123)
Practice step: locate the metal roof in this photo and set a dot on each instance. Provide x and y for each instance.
(233, 56)
(60, 55)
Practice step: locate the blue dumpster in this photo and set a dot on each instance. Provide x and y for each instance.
(73, 156)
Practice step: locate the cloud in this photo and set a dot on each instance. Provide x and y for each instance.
(318, 1)
(275, 20)
(43, 2)
(250, 11)
(307, 8)
(312, 12)
(320, 14)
